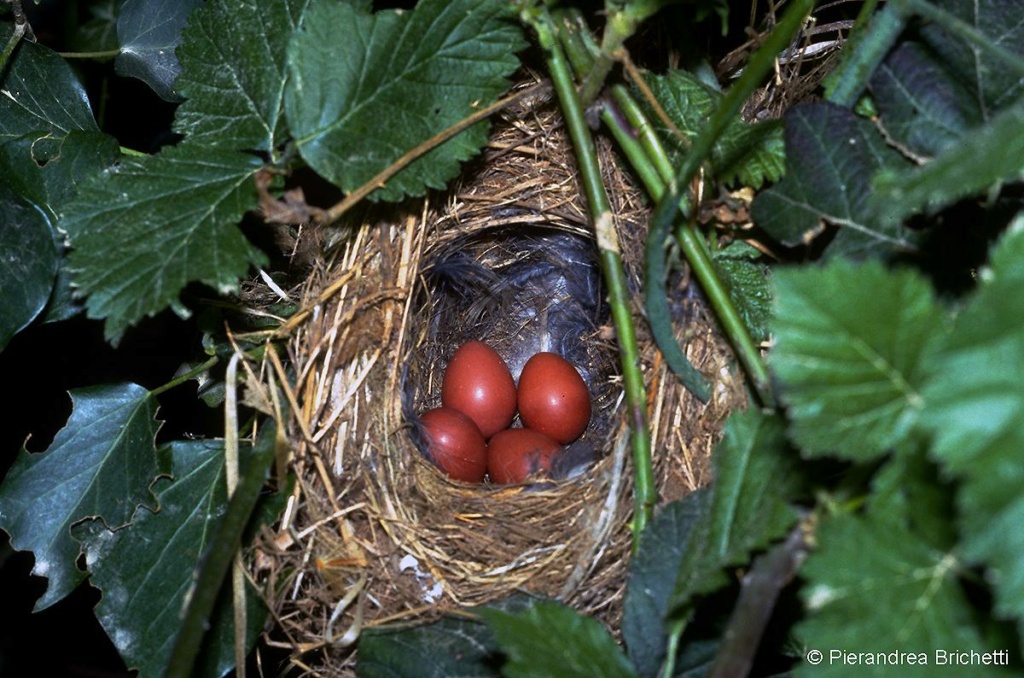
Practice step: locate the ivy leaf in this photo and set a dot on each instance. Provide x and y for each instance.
(747, 153)
(233, 73)
(149, 31)
(831, 157)
(749, 506)
(652, 576)
(28, 265)
(450, 647)
(872, 586)
(364, 89)
(99, 466)
(975, 409)
(851, 343)
(172, 219)
(146, 570)
(552, 639)
(39, 93)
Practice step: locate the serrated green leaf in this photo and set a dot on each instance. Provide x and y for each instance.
(851, 343)
(652, 577)
(751, 154)
(872, 587)
(149, 32)
(100, 465)
(747, 281)
(145, 570)
(982, 159)
(831, 157)
(924, 107)
(755, 480)
(28, 263)
(975, 411)
(451, 647)
(552, 639)
(39, 93)
(364, 89)
(170, 219)
(233, 73)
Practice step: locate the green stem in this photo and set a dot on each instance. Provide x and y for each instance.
(219, 556)
(860, 61)
(761, 64)
(12, 42)
(182, 378)
(104, 54)
(645, 490)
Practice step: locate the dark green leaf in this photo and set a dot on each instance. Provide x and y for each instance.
(747, 281)
(851, 342)
(364, 89)
(552, 639)
(874, 587)
(975, 411)
(39, 93)
(149, 31)
(924, 108)
(831, 157)
(450, 647)
(652, 577)
(170, 219)
(233, 73)
(751, 154)
(982, 159)
(755, 479)
(99, 33)
(146, 569)
(99, 466)
(1000, 23)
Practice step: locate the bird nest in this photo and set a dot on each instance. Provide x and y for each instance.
(374, 533)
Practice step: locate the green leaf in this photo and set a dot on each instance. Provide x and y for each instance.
(975, 411)
(874, 587)
(450, 647)
(149, 31)
(755, 480)
(1001, 24)
(364, 89)
(552, 639)
(99, 32)
(652, 577)
(28, 265)
(233, 73)
(747, 281)
(851, 342)
(982, 159)
(39, 93)
(831, 157)
(146, 569)
(170, 219)
(751, 154)
(924, 107)
(99, 466)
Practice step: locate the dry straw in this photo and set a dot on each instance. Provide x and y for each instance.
(373, 533)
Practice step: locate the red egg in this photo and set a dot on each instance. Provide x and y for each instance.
(478, 384)
(455, 444)
(553, 398)
(515, 454)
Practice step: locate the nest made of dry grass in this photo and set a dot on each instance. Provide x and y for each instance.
(373, 533)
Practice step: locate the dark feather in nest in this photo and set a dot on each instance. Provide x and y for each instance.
(522, 291)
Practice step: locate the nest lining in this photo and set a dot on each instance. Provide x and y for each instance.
(374, 533)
